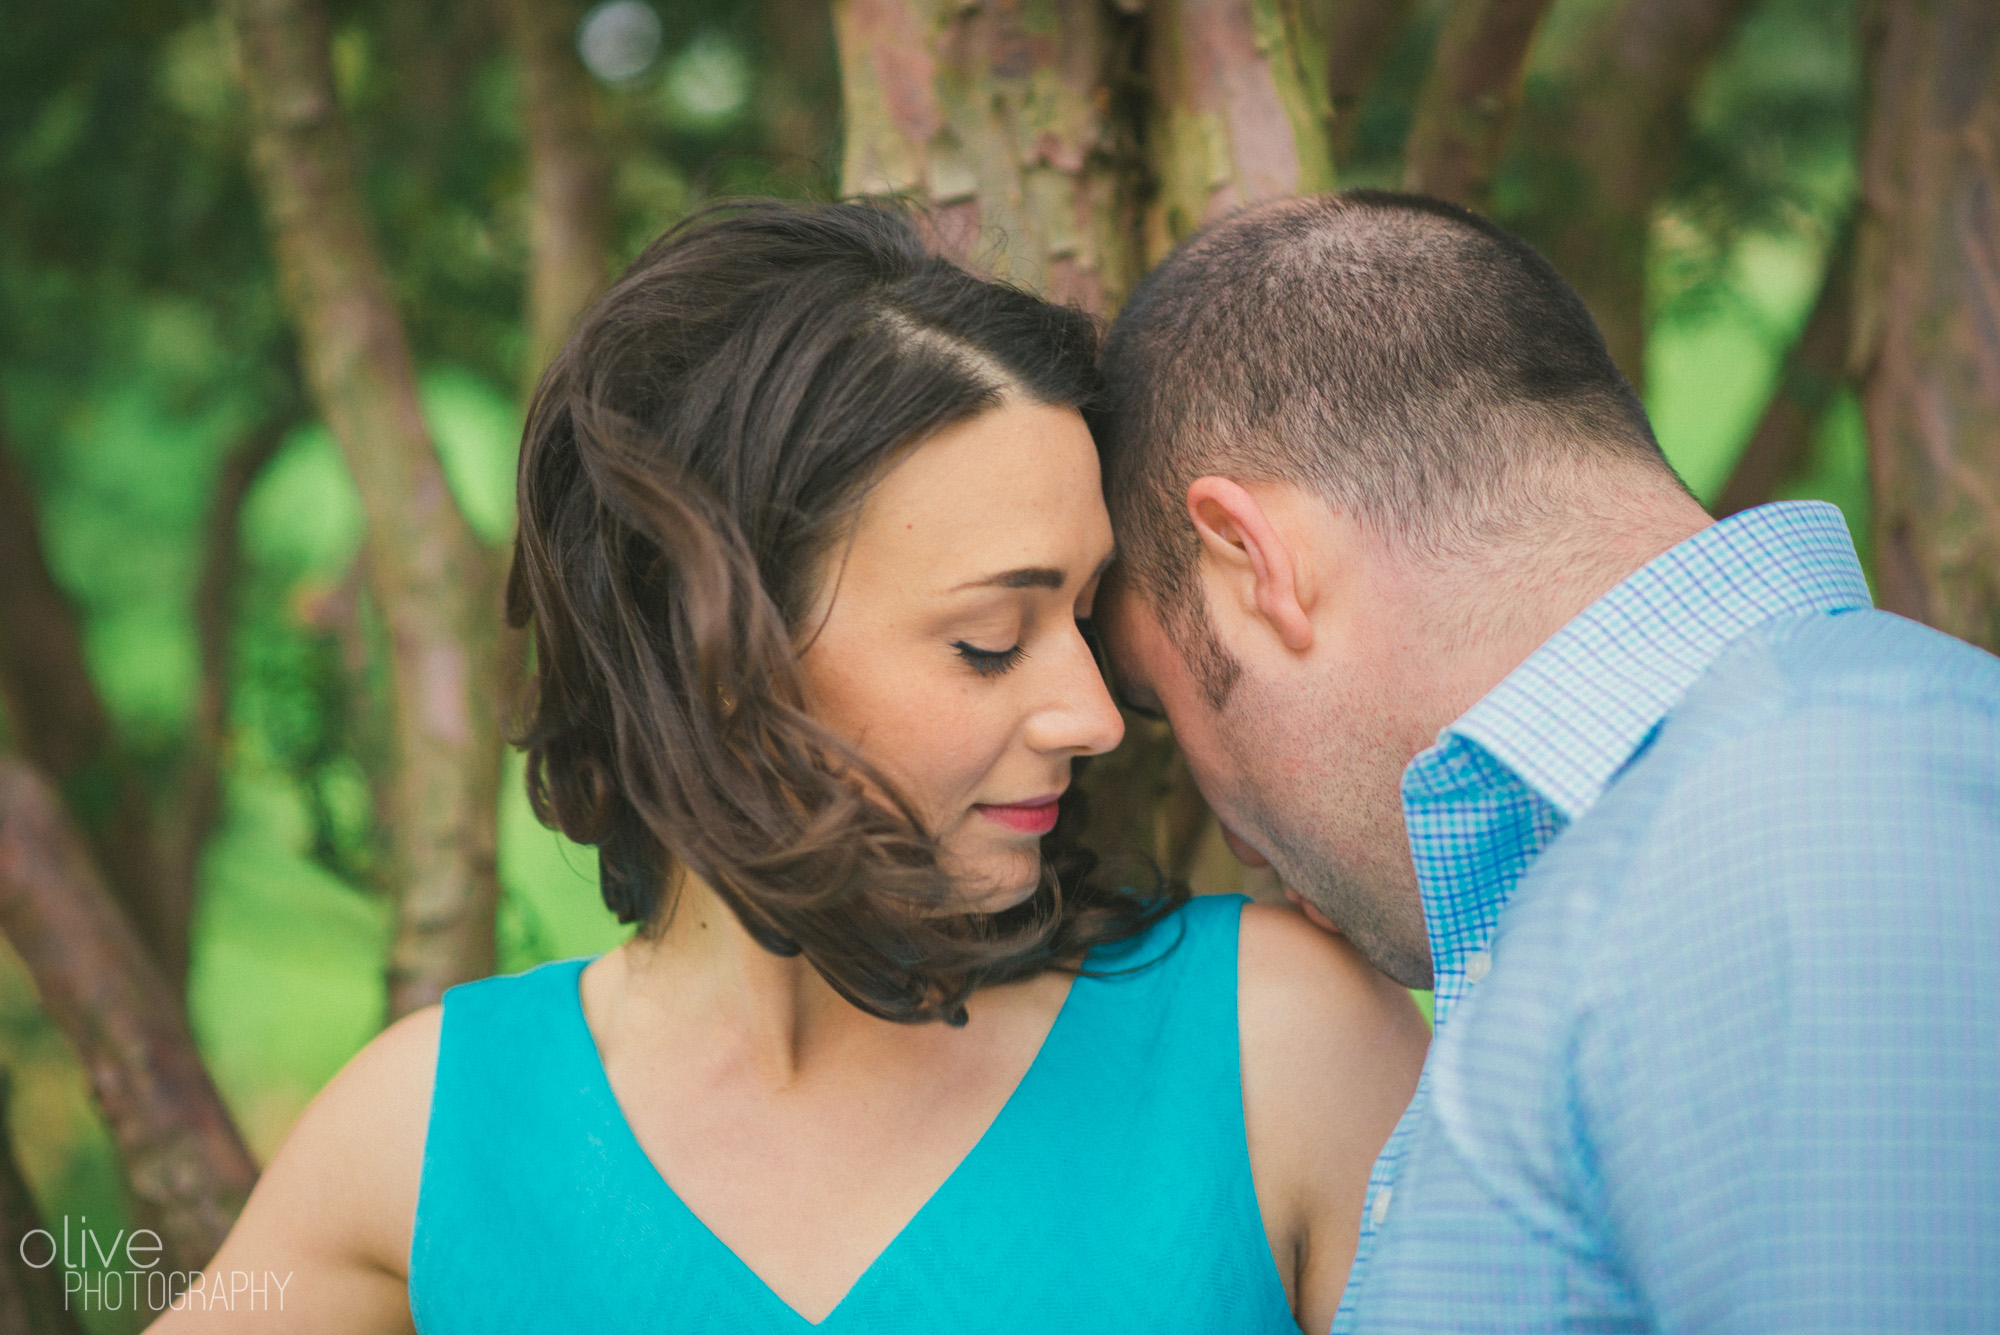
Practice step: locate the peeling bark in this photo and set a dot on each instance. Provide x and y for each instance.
(426, 569)
(1813, 373)
(61, 725)
(1927, 311)
(1238, 112)
(996, 117)
(1623, 132)
(1359, 34)
(185, 1165)
(569, 179)
(1470, 99)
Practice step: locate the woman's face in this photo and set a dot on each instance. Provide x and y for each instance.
(949, 654)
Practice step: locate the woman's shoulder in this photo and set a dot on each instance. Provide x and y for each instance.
(1313, 1010)
(1332, 1048)
(1289, 966)
(360, 1143)
(1331, 1052)
(337, 1203)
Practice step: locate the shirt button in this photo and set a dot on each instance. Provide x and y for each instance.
(1380, 1210)
(1478, 966)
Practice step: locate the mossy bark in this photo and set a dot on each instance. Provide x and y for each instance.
(997, 118)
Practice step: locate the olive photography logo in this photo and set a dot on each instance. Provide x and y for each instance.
(125, 1274)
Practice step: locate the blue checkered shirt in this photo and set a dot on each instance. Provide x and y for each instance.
(1712, 883)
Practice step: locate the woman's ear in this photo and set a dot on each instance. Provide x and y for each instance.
(1252, 555)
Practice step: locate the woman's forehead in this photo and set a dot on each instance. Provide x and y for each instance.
(1004, 498)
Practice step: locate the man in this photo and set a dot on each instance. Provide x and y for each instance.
(1700, 853)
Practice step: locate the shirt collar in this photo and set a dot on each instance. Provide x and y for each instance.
(1577, 709)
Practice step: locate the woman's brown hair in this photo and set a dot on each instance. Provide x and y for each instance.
(692, 457)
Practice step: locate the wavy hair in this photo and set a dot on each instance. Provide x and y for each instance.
(692, 458)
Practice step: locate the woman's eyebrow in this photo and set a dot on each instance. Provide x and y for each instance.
(1028, 577)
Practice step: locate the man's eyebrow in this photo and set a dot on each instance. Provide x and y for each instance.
(1027, 577)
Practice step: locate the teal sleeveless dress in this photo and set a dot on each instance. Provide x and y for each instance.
(1111, 1193)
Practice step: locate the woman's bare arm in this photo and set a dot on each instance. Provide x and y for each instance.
(324, 1242)
(1331, 1054)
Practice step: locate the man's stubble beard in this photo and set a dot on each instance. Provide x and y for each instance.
(1373, 899)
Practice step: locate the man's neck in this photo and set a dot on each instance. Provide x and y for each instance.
(1508, 602)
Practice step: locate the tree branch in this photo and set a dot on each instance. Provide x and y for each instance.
(61, 725)
(569, 224)
(1470, 99)
(427, 570)
(1623, 133)
(1237, 115)
(1814, 370)
(187, 1168)
(196, 804)
(1359, 34)
(799, 87)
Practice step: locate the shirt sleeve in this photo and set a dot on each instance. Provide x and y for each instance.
(1782, 1076)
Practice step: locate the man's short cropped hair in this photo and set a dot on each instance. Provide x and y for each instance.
(1401, 357)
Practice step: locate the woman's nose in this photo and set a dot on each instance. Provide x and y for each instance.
(1080, 716)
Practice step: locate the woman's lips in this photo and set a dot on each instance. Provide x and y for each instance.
(1036, 817)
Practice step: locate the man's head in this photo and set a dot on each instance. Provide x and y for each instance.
(1363, 453)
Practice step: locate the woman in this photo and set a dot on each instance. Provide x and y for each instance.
(810, 531)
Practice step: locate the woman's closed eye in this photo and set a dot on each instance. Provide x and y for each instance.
(989, 662)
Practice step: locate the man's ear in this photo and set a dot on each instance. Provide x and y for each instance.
(1241, 539)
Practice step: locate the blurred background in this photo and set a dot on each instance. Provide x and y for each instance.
(276, 280)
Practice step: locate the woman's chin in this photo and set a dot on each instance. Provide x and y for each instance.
(998, 883)
(1001, 901)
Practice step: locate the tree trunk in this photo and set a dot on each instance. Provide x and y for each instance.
(1813, 373)
(1359, 34)
(32, 1301)
(60, 724)
(1238, 113)
(185, 1164)
(1622, 133)
(994, 116)
(1470, 99)
(1928, 311)
(569, 225)
(798, 97)
(425, 567)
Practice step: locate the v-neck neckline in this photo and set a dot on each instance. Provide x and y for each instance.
(627, 1141)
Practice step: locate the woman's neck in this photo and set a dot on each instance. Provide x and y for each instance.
(705, 967)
